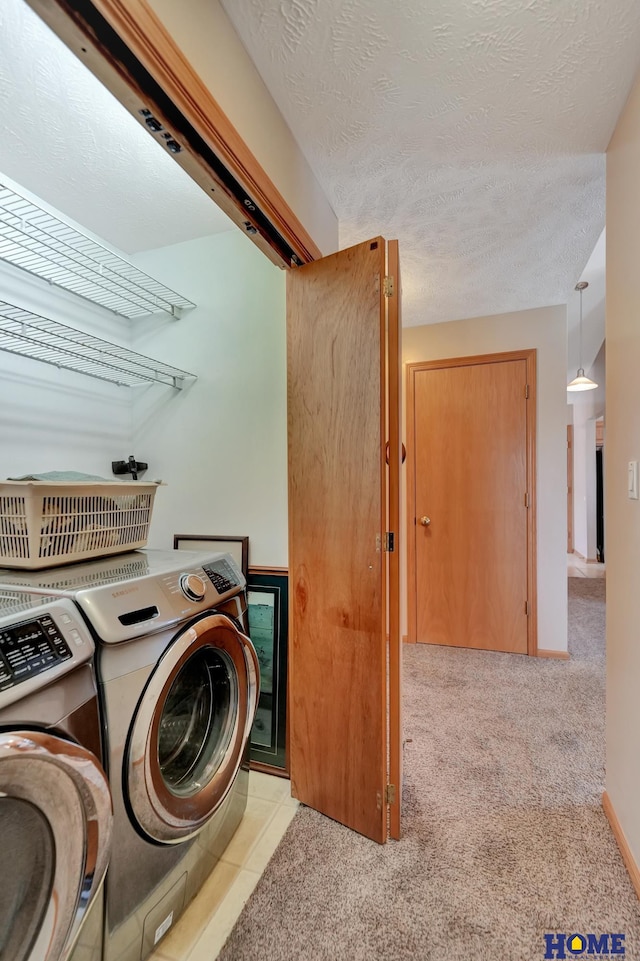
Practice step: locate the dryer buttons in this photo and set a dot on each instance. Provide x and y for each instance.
(192, 586)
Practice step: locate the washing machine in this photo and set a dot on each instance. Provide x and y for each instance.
(55, 804)
(179, 683)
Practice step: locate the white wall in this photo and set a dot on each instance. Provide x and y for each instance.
(54, 419)
(623, 445)
(221, 444)
(544, 329)
(205, 35)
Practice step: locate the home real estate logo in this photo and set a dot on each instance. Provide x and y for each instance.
(584, 945)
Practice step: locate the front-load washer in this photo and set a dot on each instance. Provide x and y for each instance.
(179, 683)
(55, 805)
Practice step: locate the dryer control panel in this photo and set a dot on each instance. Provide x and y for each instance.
(28, 648)
(42, 639)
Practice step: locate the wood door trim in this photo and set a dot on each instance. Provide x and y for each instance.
(149, 42)
(532, 513)
(625, 850)
(569, 488)
(529, 356)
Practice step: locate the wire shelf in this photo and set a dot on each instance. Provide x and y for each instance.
(30, 335)
(39, 243)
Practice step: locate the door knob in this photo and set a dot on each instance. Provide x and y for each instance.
(425, 521)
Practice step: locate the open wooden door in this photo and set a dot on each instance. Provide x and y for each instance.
(394, 461)
(342, 697)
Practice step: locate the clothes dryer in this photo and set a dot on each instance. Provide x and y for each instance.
(55, 805)
(179, 684)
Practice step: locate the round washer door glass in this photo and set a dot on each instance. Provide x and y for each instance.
(190, 730)
(55, 826)
(28, 859)
(197, 721)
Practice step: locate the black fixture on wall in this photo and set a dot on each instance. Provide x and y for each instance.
(130, 466)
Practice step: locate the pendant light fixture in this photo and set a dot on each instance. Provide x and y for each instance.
(580, 382)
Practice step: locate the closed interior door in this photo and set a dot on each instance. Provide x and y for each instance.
(470, 477)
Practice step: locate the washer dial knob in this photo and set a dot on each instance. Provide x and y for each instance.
(192, 586)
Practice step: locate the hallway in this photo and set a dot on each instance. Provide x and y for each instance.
(505, 838)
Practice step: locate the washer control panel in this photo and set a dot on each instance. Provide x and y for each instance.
(221, 574)
(28, 648)
(192, 586)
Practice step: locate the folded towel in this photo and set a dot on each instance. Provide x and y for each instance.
(64, 475)
(74, 476)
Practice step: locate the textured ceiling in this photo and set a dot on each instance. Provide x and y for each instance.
(70, 142)
(474, 131)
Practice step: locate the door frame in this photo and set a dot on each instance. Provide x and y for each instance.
(126, 45)
(529, 356)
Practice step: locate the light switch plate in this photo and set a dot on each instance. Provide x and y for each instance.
(632, 488)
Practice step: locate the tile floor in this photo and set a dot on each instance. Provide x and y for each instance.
(206, 924)
(578, 567)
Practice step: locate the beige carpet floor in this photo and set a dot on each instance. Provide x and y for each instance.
(504, 836)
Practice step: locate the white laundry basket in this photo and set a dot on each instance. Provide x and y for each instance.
(49, 523)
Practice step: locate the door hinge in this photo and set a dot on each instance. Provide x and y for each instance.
(389, 542)
(526, 392)
(526, 500)
(526, 608)
(390, 794)
(387, 287)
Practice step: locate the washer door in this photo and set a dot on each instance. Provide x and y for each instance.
(55, 825)
(190, 729)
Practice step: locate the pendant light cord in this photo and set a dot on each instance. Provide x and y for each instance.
(580, 336)
(580, 286)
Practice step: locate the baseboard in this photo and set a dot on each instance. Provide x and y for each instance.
(625, 850)
(587, 560)
(405, 638)
(560, 655)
